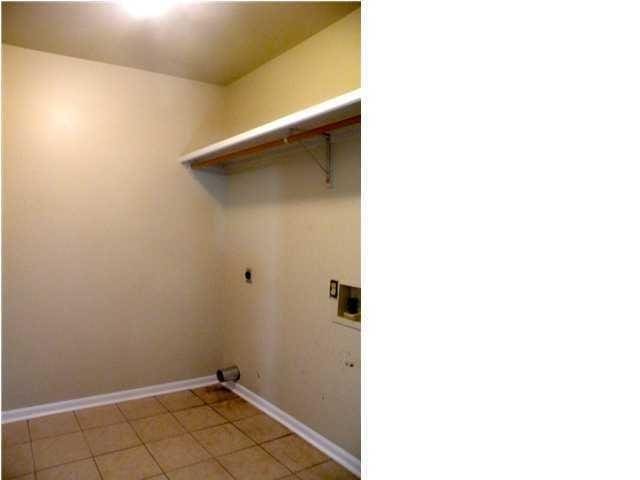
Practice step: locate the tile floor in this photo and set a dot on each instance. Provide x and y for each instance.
(207, 433)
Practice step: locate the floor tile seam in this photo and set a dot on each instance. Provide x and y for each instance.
(64, 464)
(143, 444)
(97, 468)
(202, 461)
(175, 436)
(33, 457)
(289, 432)
(314, 466)
(259, 446)
(199, 429)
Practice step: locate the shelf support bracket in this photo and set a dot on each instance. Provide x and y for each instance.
(330, 174)
(329, 165)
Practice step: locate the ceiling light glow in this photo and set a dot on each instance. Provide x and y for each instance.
(147, 8)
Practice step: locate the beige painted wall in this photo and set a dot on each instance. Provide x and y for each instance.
(111, 249)
(323, 66)
(296, 236)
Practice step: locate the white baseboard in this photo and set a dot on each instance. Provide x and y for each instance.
(329, 448)
(107, 398)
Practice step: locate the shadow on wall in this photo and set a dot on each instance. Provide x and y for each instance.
(289, 177)
(211, 182)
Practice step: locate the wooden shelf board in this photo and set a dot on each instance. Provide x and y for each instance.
(330, 112)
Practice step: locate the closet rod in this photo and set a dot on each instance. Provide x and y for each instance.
(296, 137)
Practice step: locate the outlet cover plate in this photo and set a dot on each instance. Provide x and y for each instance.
(333, 289)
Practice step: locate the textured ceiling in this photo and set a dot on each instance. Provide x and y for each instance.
(215, 42)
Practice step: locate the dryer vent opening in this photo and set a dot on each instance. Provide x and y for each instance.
(229, 374)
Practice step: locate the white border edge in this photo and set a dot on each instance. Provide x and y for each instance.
(336, 453)
(309, 113)
(105, 399)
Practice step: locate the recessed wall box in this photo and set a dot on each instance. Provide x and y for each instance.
(349, 306)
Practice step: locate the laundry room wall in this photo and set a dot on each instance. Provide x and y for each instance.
(111, 249)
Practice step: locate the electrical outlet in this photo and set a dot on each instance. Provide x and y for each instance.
(333, 289)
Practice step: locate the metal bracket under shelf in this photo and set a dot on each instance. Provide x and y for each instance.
(329, 165)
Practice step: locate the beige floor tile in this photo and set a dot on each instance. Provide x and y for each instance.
(294, 453)
(132, 464)
(214, 393)
(179, 400)
(28, 476)
(199, 417)
(15, 433)
(261, 428)
(210, 470)
(82, 470)
(235, 409)
(223, 439)
(53, 425)
(158, 427)
(175, 452)
(327, 471)
(158, 477)
(253, 464)
(53, 451)
(111, 438)
(16, 460)
(141, 408)
(99, 416)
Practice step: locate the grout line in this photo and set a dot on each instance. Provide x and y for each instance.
(248, 448)
(95, 462)
(31, 439)
(33, 457)
(197, 429)
(238, 450)
(93, 456)
(322, 463)
(225, 469)
(104, 426)
(166, 472)
(75, 416)
(143, 444)
(152, 457)
(117, 451)
(64, 463)
(145, 416)
(275, 438)
(290, 434)
(206, 460)
(229, 453)
(277, 461)
(35, 471)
